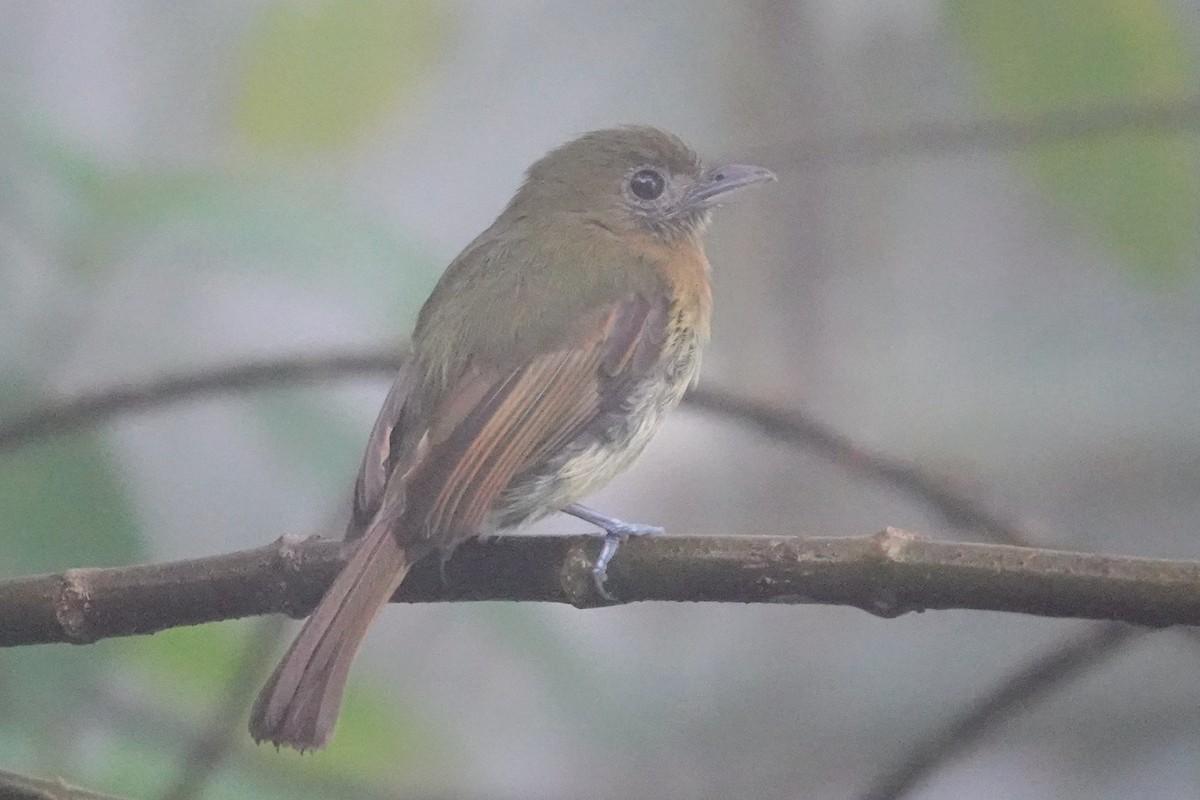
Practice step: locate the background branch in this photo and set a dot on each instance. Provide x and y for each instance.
(887, 574)
(22, 787)
(1032, 680)
(95, 407)
(796, 427)
(207, 750)
(867, 143)
(792, 426)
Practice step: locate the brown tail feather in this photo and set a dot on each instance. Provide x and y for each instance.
(299, 704)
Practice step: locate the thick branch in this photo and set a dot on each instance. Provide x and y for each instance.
(792, 426)
(888, 574)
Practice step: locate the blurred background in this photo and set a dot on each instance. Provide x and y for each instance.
(1011, 304)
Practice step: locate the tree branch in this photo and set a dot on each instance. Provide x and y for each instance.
(870, 143)
(933, 137)
(209, 748)
(1032, 680)
(95, 407)
(793, 426)
(14, 786)
(888, 574)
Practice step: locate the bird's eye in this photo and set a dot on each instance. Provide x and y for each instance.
(647, 184)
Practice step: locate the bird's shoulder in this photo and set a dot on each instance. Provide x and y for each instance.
(522, 290)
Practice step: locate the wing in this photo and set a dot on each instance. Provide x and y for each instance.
(492, 425)
(431, 479)
(381, 455)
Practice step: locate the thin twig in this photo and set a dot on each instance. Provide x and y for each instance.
(792, 426)
(888, 574)
(93, 408)
(869, 143)
(146, 722)
(798, 428)
(14, 786)
(215, 743)
(1032, 680)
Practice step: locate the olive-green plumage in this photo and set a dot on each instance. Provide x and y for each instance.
(542, 364)
(566, 244)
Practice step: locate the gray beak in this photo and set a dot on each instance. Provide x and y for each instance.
(719, 182)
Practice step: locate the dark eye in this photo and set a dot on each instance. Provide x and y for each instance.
(647, 184)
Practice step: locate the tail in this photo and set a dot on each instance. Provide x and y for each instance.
(299, 705)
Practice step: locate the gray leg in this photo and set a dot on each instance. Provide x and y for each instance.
(615, 532)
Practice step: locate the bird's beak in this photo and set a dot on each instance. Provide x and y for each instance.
(719, 182)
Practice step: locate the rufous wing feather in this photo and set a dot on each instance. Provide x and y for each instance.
(529, 415)
(299, 704)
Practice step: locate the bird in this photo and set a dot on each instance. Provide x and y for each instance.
(541, 365)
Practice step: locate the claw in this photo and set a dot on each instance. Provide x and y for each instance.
(615, 532)
(600, 568)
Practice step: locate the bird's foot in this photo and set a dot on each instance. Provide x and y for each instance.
(615, 532)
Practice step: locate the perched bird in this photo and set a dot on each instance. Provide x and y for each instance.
(541, 366)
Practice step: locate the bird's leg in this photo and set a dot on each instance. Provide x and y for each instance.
(615, 532)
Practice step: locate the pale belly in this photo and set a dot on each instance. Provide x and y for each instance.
(603, 451)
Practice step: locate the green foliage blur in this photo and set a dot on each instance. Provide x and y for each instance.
(1140, 194)
(313, 82)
